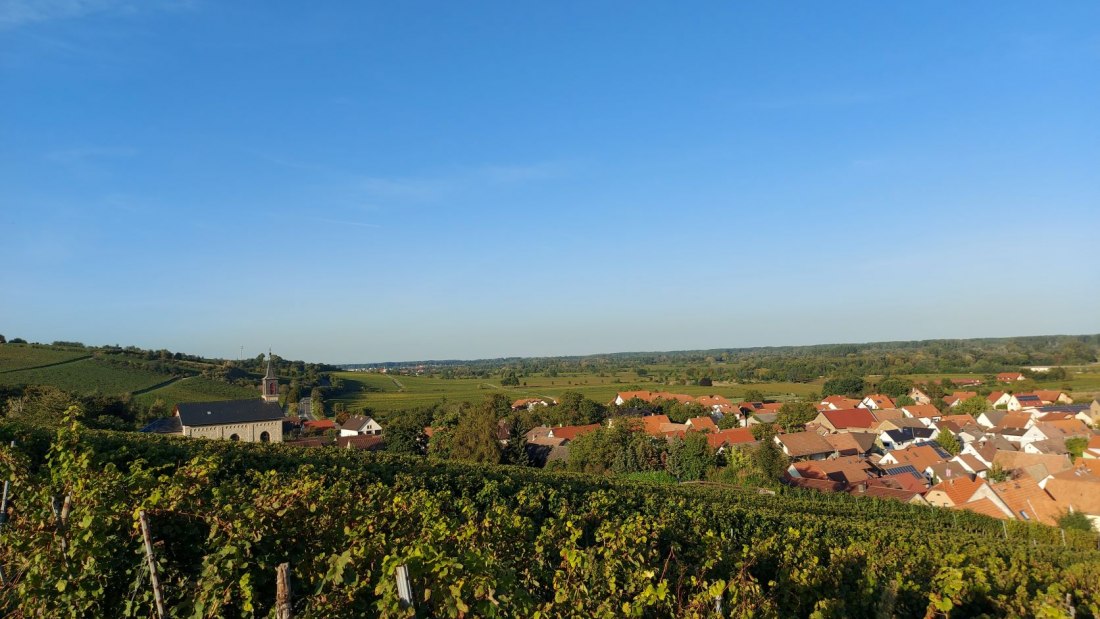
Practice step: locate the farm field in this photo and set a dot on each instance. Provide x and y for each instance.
(16, 356)
(87, 376)
(388, 392)
(196, 389)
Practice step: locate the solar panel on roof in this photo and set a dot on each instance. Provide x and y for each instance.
(898, 470)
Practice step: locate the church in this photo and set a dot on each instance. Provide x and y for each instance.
(258, 420)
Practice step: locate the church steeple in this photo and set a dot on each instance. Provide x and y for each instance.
(271, 383)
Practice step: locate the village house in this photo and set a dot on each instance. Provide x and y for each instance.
(919, 396)
(876, 400)
(1009, 377)
(731, 437)
(927, 413)
(1077, 489)
(360, 426)
(958, 397)
(804, 446)
(845, 420)
(528, 404)
(960, 490)
(998, 399)
(837, 402)
(1023, 401)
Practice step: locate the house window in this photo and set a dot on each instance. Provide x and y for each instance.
(234, 437)
(265, 437)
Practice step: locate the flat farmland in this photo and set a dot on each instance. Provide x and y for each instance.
(18, 356)
(87, 376)
(197, 389)
(388, 392)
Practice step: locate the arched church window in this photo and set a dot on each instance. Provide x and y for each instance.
(234, 437)
(265, 437)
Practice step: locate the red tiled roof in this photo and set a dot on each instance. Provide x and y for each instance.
(840, 402)
(652, 424)
(850, 418)
(320, 424)
(1024, 496)
(367, 443)
(881, 401)
(985, 507)
(702, 423)
(1049, 396)
(730, 436)
(571, 432)
(919, 456)
(959, 489)
(921, 410)
(800, 444)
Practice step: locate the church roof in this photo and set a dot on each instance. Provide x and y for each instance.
(270, 369)
(227, 411)
(164, 425)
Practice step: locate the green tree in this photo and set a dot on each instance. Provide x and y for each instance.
(317, 403)
(997, 474)
(40, 405)
(404, 431)
(475, 436)
(690, 457)
(1075, 521)
(949, 442)
(510, 379)
(754, 395)
(705, 382)
(850, 386)
(894, 387)
(1076, 446)
(795, 415)
(972, 406)
(768, 460)
(904, 400)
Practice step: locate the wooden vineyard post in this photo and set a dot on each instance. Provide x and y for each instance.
(283, 603)
(157, 595)
(4, 517)
(404, 587)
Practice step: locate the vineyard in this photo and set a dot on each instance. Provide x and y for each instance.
(196, 389)
(19, 356)
(87, 376)
(488, 541)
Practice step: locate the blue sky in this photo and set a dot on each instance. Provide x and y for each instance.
(397, 181)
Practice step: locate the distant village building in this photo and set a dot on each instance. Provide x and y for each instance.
(258, 420)
(360, 426)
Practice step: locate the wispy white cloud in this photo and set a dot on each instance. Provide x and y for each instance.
(15, 13)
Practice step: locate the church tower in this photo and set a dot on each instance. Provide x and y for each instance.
(271, 383)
